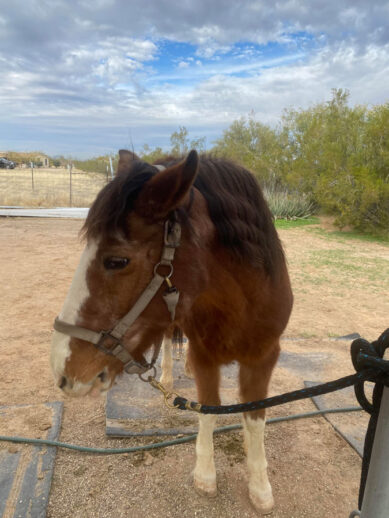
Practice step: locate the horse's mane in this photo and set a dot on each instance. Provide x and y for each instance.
(235, 202)
(239, 212)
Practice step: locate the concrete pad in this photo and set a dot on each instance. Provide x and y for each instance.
(136, 408)
(350, 337)
(351, 426)
(26, 471)
(302, 364)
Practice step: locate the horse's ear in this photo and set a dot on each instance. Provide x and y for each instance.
(125, 160)
(168, 189)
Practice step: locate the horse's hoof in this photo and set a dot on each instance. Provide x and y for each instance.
(205, 487)
(263, 504)
(166, 382)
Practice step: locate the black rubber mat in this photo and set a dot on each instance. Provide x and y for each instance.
(351, 426)
(26, 471)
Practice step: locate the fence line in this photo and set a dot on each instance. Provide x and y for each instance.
(49, 187)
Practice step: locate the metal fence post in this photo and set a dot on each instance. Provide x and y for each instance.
(376, 497)
(32, 175)
(111, 167)
(70, 166)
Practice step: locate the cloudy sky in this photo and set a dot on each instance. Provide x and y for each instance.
(89, 77)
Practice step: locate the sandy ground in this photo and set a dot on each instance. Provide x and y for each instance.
(340, 287)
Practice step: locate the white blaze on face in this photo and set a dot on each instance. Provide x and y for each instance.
(78, 293)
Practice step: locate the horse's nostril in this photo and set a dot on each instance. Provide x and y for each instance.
(102, 376)
(63, 382)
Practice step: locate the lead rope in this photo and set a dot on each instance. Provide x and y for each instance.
(368, 361)
(167, 394)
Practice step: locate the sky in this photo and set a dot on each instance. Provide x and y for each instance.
(85, 78)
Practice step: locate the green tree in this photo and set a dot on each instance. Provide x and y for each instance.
(97, 164)
(256, 146)
(180, 143)
(151, 155)
(339, 155)
(336, 155)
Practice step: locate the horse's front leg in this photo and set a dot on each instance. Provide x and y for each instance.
(187, 366)
(207, 382)
(166, 378)
(254, 382)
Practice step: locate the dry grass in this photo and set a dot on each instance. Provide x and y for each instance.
(51, 187)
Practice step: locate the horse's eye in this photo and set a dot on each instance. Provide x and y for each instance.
(115, 263)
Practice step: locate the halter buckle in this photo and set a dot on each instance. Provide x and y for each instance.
(172, 234)
(103, 336)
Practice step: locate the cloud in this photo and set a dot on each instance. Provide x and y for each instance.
(112, 65)
(54, 24)
(113, 60)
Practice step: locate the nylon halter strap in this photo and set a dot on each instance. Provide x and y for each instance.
(172, 236)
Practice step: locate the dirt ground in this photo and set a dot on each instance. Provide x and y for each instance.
(340, 287)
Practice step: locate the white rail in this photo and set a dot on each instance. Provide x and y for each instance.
(57, 212)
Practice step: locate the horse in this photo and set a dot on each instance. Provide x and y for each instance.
(190, 242)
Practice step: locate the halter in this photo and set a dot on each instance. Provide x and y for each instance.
(171, 240)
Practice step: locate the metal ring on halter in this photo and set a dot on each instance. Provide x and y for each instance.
(150, 376)
(167, 265)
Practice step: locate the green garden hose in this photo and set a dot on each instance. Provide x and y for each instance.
(164, 444)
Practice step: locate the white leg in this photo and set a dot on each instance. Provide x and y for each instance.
(179, 350)
(259, 486)
(167, 363)
(205, 472)
(187, 368)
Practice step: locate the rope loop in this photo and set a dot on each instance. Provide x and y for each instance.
(366, 355)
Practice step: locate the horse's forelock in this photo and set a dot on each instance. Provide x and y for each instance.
(108, 213)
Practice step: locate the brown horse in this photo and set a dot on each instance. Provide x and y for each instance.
(200, 226)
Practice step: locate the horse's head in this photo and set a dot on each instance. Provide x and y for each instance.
(128, 233)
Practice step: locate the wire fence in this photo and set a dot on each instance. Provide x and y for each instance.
(40, 187)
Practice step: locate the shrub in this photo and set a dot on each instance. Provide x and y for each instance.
(286, 205)
(359, 199)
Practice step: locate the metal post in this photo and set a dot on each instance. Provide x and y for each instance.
(376, 497)
(32, 175)
(110, 165)
(70, 166)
